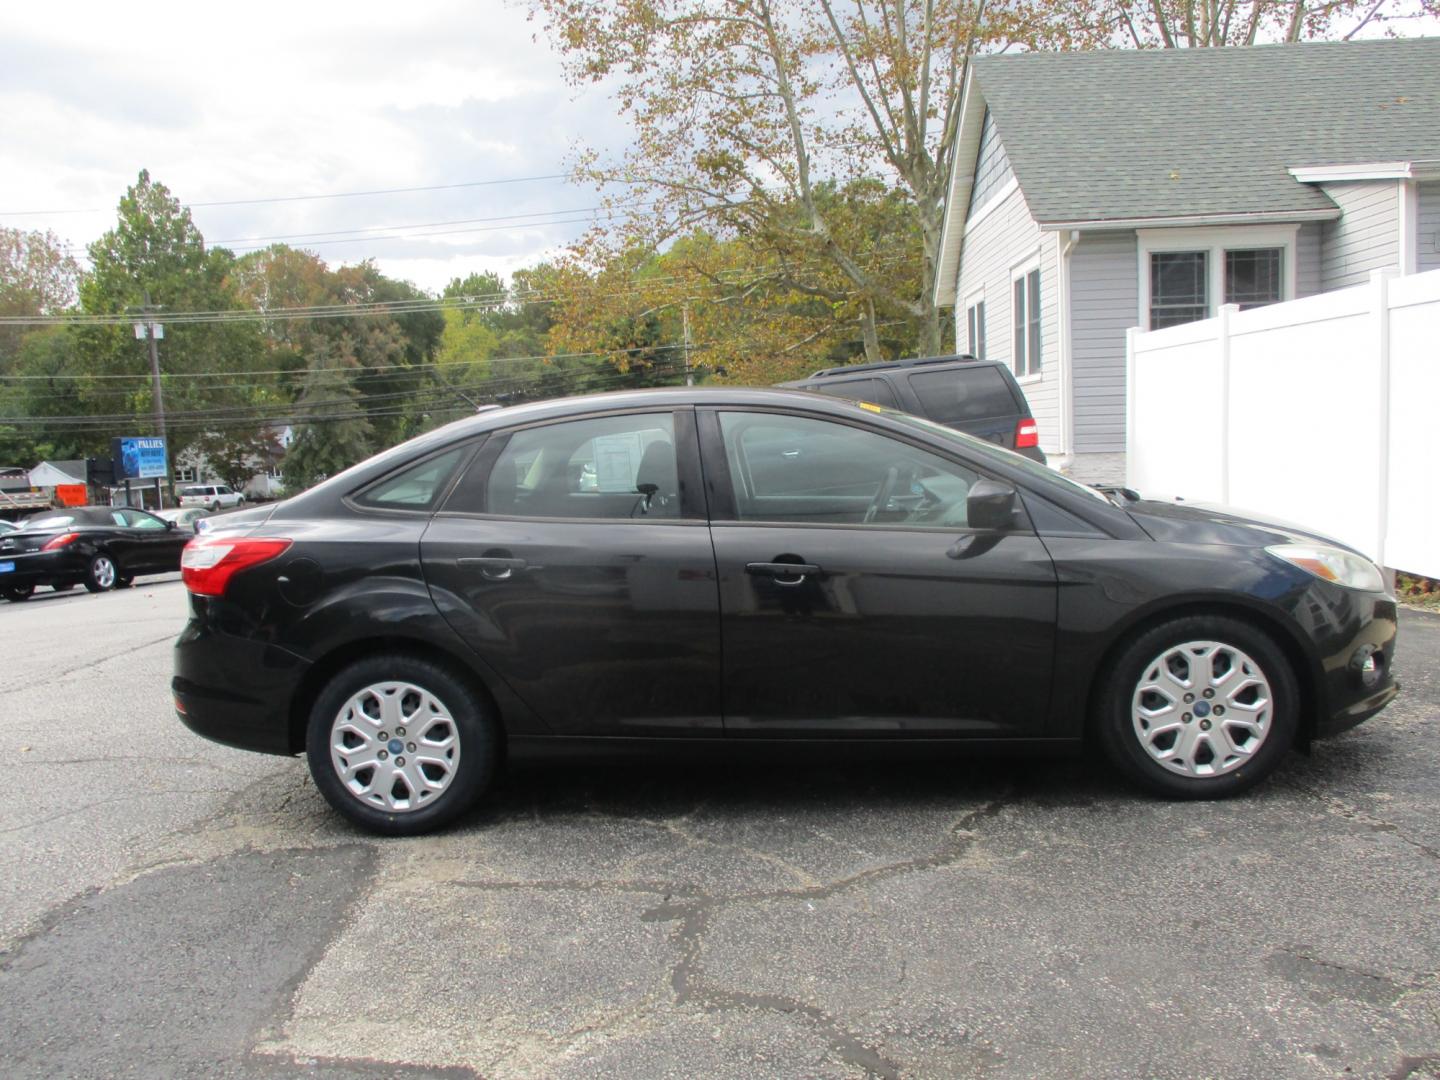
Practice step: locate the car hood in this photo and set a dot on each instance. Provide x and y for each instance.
(1211, 523)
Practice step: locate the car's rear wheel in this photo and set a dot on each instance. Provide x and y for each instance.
(100, 574)
(401, 746)
(214, 506)
(18, 593)
(1199, 707)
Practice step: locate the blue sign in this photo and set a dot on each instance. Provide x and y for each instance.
(139, 459)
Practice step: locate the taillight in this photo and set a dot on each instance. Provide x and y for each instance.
(60, 541)
(209, 562)
(1027, 433)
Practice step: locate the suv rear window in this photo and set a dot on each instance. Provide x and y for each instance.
(963, 394)
(194, 491)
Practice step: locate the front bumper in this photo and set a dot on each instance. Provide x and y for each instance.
(237, 691)
(1360, 625)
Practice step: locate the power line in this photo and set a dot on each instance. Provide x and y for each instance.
(309, 198)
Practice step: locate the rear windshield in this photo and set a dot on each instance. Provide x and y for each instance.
(963, 394)
(195, 491)
(50, 521)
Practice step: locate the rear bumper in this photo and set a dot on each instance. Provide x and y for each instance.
(237, 691)
(43, 568)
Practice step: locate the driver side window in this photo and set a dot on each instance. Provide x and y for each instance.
(806, 471)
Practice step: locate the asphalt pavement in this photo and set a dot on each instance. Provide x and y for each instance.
(169, 907)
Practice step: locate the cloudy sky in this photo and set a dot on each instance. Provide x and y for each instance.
(266, 100)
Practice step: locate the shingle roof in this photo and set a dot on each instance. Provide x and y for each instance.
(1130, 134)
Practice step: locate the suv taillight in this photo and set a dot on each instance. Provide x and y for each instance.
(209, 562)
(1027, 433)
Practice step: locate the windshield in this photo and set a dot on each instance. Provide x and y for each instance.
(1043, 474)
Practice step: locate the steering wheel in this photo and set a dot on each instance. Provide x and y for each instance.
(882, 497)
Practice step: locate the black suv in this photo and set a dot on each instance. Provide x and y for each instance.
(979, 397)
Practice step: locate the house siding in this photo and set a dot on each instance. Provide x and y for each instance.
(1307, 259)
(1104, 303)
(1366, 235)
(1428, 249)
(1003, 240)
(992, 166)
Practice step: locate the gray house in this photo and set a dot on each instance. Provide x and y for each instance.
(1093, 192)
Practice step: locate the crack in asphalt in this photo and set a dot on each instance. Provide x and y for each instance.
(1337, 807)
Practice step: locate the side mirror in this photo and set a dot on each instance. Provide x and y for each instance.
(990, 505)
(169, 524)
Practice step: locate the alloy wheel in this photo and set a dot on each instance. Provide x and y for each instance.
(1202, 708)
(394, 746)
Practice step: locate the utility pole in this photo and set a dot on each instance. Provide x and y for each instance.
(153, 330)
(685, 314)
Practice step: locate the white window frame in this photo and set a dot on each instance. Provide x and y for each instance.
(1019, 272)
(976, 297)
(1214, 242)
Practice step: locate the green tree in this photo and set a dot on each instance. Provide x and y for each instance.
(334, 432)
(156, 254)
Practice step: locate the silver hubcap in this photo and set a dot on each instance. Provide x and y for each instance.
(395, 746)
(104, 572)
(1202, 708)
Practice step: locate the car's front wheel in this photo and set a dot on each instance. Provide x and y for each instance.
(401, 746)
(100, 574)
(1199, 707)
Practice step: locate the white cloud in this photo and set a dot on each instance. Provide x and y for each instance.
(275, 99)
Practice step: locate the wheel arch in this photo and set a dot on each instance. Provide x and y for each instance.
(1303, 664)
(324, 669)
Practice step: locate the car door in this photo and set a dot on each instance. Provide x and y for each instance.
(153, 547)
(573, 557)
(855, 599)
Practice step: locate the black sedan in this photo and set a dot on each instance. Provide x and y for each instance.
(100, 547)
(751, 565)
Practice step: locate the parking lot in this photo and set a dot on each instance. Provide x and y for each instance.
(172, 907)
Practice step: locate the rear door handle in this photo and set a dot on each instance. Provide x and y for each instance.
(781, 571)
(494, 567)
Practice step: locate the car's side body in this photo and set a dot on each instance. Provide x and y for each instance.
(689, 626)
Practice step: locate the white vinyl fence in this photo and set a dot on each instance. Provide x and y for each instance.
(1323, 411)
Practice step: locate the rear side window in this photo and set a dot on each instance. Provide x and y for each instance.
(193, 491)
(876, 391)
(617, 467)
(963, 394)
(415, 488)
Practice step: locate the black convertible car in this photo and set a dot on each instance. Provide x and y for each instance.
(748, 565)
(100, 547)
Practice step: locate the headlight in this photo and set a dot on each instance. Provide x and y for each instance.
(1332, 564)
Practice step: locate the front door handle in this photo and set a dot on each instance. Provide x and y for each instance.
(494, 567)
(784, 573)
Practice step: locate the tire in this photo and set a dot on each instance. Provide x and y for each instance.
(215, 506)
(1185, 749)
(100, 575)
(18, 594)
(370, 698)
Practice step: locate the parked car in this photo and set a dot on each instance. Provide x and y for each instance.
(750, 565)
(211, 497)
(100, 547)
(185, 517)
(980, 397)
